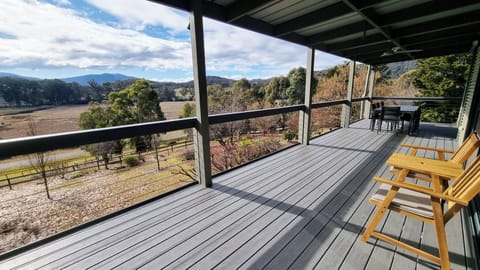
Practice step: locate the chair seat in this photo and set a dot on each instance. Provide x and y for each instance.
(408, 200)
(411, 174)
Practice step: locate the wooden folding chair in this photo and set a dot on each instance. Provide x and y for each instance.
(425, 204)
(459, 156)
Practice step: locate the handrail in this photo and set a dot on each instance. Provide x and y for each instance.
(419, 98)
(28, 145)
(235, 116)
(33, 144)
(329, 103)
(360, 99)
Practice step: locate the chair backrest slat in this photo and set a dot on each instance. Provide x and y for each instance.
(391, 113)
(467, 185)
(469, 146)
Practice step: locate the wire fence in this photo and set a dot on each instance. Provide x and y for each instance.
(62, 167)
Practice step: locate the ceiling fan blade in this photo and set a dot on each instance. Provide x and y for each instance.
(397, 50)
(409, 51)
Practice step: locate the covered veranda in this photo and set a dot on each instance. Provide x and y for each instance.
(304, 207)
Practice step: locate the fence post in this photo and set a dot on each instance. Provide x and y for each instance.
(8, 182)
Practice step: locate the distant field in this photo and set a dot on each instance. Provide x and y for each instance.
(57, 119)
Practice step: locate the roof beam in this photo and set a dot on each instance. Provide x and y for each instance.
(239, 9)
(433, 53)
(380, 47)
(371, 17)
(322, 15)
(183, 5)
(441, 35)
(439, 24)
(460, 47)
(317, 16)
(340, 31)
(357, 43)
(424, 9)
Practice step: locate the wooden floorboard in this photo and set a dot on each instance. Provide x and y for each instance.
(303, 208)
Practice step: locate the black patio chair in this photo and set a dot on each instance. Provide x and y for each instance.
(375, 112)
(392, 116)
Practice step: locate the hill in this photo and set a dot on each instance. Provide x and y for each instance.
(12, 75)
(99, 78)
(399, 68)
(211, 80)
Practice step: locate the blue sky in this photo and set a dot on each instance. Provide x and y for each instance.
(64, 38)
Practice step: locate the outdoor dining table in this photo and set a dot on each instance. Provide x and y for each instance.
(414, 116)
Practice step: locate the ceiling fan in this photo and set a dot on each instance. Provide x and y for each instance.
(398, 50)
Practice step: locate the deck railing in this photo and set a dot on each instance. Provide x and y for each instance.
(325, 115)
(443, 109)
(27, 145)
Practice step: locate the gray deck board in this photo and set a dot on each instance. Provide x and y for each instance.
(303, 208)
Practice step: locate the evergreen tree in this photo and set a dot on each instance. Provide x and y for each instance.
(443, 76)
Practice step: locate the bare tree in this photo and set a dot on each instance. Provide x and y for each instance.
(189, 172)
(40, 160)
(156, 143)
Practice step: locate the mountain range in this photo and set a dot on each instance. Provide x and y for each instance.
(99, 78)
(396, 68)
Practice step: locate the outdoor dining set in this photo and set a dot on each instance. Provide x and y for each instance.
(395, 116)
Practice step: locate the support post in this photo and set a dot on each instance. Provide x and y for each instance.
(201, 132)
(363, 112)
(305, 116)
(371, 83)
(347, 108)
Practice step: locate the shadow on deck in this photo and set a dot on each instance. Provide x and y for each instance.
(302, 208)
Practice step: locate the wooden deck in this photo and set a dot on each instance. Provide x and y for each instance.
(303, 208)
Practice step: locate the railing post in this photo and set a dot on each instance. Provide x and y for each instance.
(370, 83)
(201, 132)
(365, 89)
(347, 108)
(305, 116)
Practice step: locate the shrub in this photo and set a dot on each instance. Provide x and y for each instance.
(189, 154)
(289, 135)
(132, 161)
(76, 174)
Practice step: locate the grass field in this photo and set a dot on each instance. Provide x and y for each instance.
(57, 119)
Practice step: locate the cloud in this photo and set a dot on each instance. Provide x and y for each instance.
(228, 48)
(55, 37)
(63, 2)
(236, 49)
(138, 14)
(52, 36)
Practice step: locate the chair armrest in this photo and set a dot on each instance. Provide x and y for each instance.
(421, 189)
(440, 152)
(426, 148)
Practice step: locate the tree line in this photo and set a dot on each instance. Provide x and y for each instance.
(21, 92)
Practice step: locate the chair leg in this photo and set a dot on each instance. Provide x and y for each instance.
(384, 207)
(373, 224)
(441, 235)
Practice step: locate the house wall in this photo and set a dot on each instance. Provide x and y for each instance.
(470, 103)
